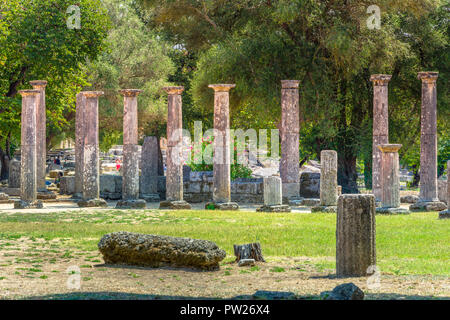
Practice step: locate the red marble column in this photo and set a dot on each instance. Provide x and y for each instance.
(290, 128)
(380, 127)
(79, 143)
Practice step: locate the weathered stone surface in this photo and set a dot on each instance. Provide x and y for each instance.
(273, 295)
(328, 178)
(327, 209)
(3, 196)
(246, 262)
(388, 210)
(86, 203)
(130, 173)
(156, 251)
(290, 128)
(174, 205)
(20, 204)
(428, 206)
(443, 190)
(310, 185)
(131, 204)
(226, 206)
(380, 126)
(79, 142)
(355, 235)
(274, 208)
(409, 199)
(428, 137)
(272, 191)
(46, 195)
(444, 214)
(14, 174)
(149, 170)
(346, 291)
(55, 174)
(310, 202)
(67, 185)
(390, 182)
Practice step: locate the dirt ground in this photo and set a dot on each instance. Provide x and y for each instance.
(39, 269)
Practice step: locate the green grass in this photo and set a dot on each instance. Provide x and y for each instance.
(418, 243)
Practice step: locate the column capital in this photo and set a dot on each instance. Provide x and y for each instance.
(174, 90)
(92, 94)
(380, 79)
(130, 92)
(389, 148)
(290, 84)
(37, 84)
(30, 92)
(428, 76)
(221, 87)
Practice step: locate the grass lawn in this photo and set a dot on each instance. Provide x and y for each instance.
(418, 243)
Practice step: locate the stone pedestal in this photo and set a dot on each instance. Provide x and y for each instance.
(41, 134)
(222, 156)
(149, 170)
(28, 177)
(428, 198)
(174, 165)
(130, 173)
(380, 127)
(390, 181)
(328, 182)
(290, 128)
(91, 170)
(355, 235)
(446, 213)
(79, 144)
(273, 200)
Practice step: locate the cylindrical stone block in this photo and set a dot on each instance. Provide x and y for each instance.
(130, 175)
(272, 191)
(390, 181)
(380, 127)
(355, 235)
(149, 166)
(174, 171)
(91, 168)
(428, 138)
(328, 178)
(290, 128)
(28, 176)
(79, 141)
(41, 144)
(222, 155)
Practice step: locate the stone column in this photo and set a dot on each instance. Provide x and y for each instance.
(130, 175)
(174, 165)
(355, 235)
(91, 168)
(290, 128)
(41, 144)
(328, 182)
(390, 180)
(380, 130)
(79, 144)
(445, 214)
(273, 200)
(28, 175)
(149, 170)
(428, 198)
(222, 155)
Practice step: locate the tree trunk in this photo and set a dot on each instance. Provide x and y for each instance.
(416, 177)
(347, 174)
(160, 158)
(368, 173)
(248, 251)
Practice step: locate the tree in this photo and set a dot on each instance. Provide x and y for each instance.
(38, 44)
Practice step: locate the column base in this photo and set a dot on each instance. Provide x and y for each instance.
(328, 209)
(83, 203)
(226, 206)
(175, 205)
(387, 210)
(131, 204)
(21, 204)
(152, 197)
(274, 208)
(428, 206)
(46, 195)
(444, 214)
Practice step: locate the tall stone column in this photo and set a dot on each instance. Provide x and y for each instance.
(355, 235)
(328, 182)
(445, 214)
(380, 130)
(149, 170)
(79, 144)
(91, 168)
(41, 145)
(130, 176)
(290, 128)
(428, 198)
(174, 165)
(28, 175)
(390, 180)
(222, 155)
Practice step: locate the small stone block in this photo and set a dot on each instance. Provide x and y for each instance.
(310, 202)
(92, 203)
(46, 195)
(428, 206)
(175, 205)
(131, 204)
(444, 214)
(409, 199)
(151, 197)
(246, 262)
(225, 206)
(383, 210)
(277, 208)
(328, 209)
(20, 204)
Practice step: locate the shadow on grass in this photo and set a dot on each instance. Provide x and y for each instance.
(131, 267)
